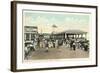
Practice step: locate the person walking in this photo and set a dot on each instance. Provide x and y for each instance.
(74, 46)
(56, 44)
(46, 45)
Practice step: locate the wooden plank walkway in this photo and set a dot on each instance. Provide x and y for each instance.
(57, 53)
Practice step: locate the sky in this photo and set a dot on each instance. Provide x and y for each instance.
(63, 20)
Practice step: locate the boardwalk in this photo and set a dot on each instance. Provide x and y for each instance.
(57, 53)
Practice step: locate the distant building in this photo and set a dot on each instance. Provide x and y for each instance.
(30, 33)
(70, 34)
(44, 36)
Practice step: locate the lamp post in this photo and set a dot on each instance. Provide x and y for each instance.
(53, 30)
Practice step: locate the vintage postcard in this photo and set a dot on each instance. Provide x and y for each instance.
(55, 35)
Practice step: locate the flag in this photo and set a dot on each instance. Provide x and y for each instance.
(54, 26)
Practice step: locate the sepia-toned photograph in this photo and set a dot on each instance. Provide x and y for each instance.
(55, 35)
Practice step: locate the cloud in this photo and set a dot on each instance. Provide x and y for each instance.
(45, 22)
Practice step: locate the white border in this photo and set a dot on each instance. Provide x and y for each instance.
(55, 63)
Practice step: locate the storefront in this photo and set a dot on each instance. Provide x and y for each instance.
(30, 33)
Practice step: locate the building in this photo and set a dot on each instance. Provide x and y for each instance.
(70, 34)
(30, 33)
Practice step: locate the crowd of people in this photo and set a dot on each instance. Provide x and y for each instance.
(72, 44)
